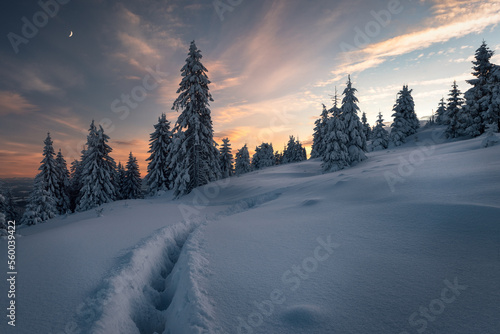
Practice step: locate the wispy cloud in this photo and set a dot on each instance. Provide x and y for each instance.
(382, 92)
(66, 118)
(450, 19)
(269, 59)
(14, 103)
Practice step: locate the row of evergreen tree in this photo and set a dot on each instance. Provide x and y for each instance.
(94, 180)
(340, 138)
(187, 157)
(7, 208)
(160, 177)
(180, 159)
(478, 110)
(265, 156)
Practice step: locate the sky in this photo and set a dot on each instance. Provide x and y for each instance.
(272, 64)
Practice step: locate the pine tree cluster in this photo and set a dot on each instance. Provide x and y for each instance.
(294, 152)
(264, 156)
(7, 211)
(94, 180)
(477, 111)
(344, 137)
(405, 121)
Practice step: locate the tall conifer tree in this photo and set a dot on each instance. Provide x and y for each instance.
(194, 157)
(157, 178)
(132, 184)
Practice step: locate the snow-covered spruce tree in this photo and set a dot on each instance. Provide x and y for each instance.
(193, 157)
(7, 203)
(132, 184)
(98, 173)
(453, 110)
(292, 153)
(157, 178)
(242, 164)
(432, 120)
(9, 206)
(49, 171)
(62, 195)
(412, 115)
(264, 156)
(41, 204)
(278, 158)
(318, 146)
(492, 115)
(405, 120)
(366, 127)
(441, 113)
(336, 155)
(75, 183)
(226, 159)
(491, 138)
(78, 165)
(356, 143)
(477, 98)
(380, 135)
(120, 181)
(300, 153)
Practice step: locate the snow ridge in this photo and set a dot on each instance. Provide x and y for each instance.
(247, 204)
(191, 305)
(160, 286)
(135, 299)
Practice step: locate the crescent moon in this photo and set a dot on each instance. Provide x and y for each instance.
(70, 33)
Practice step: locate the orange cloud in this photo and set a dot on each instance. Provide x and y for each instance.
(19, 160)
(138, 45)
(452, 19)
(14, 103)
(237, 134)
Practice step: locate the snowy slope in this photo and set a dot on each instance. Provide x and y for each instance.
(407, 240)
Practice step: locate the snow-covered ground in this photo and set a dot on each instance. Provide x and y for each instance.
(407, 241)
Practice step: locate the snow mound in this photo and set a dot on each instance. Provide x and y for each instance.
(302, 316)
(490, 140)
(310, 202)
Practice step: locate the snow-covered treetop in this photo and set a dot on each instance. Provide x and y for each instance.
(482, 65)
(349, 101)
(194, 83)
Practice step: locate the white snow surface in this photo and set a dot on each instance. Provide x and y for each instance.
(285, 249)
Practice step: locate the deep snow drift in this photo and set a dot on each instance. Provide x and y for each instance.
(407, 241)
